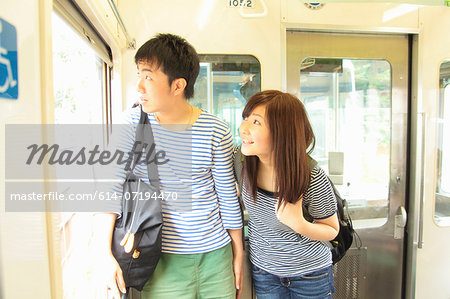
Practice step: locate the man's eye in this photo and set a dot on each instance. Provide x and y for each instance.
(147, 77)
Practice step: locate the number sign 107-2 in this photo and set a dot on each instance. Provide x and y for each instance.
(239, 3)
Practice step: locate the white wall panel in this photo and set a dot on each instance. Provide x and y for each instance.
(433, 260)
(24, 265)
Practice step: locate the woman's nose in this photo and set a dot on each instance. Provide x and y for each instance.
(243, 128)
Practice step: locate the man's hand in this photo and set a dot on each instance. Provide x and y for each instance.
(108, 277)
(238, 274)
(106, 271)
(238, 255)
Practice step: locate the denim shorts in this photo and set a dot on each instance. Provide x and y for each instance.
(318, 284)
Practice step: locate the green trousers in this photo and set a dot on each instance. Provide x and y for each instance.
(193, 276)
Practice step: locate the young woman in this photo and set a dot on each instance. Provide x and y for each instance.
(287, 255)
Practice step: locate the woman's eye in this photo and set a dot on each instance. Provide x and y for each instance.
(256, 122)
(147, 77)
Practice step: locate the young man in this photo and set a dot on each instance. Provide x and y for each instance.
(197, 257)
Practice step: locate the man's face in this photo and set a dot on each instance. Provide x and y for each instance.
(153, 85)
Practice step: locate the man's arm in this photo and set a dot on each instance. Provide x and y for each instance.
(230, 211)
(238, 255)
(107, 271)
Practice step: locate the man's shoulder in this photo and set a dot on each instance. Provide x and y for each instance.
(213, 121)
(131, 115)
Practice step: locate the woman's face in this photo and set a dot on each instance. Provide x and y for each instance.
(255, 134)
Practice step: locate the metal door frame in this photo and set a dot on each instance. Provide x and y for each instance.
(398, 190)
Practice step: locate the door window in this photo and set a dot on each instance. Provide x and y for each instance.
(349, 105)
(224, 85)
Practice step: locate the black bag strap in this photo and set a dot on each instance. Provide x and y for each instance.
(238, 159)
(144, 135)
(311, 163)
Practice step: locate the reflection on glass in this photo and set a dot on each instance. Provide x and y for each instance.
(223, 86)
(349, 105)
(442, 208)
(77, 77)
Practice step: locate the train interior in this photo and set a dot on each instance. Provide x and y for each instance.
(373, 76)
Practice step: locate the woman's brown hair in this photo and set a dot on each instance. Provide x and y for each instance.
(292, 139)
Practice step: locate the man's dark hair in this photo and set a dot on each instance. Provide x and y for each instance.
(176, 57)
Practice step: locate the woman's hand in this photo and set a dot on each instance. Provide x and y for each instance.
(291, 214)
(321, 229)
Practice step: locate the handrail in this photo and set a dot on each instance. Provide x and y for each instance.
(422, 178)
(254, 15)
(131, 43)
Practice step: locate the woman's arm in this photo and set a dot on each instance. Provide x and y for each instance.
(321, 230)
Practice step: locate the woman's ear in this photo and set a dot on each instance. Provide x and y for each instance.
(178, 86)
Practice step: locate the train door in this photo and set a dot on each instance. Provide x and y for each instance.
(355, 89)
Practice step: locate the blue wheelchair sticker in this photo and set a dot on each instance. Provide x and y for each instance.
(9, 83)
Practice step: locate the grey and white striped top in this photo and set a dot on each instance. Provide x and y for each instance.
(276, 248)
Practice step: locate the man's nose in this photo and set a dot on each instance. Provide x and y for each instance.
(140, 86)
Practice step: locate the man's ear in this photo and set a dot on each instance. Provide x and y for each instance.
(178, 86)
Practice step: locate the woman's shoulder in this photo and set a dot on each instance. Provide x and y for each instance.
(318, 181)
(317, 172)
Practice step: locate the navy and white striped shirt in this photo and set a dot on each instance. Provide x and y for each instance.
(275, 247)
(200, 172)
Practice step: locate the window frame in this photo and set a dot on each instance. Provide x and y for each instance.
(444, 82)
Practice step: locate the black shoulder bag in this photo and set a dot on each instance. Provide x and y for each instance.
(136, 242)
(342, 242)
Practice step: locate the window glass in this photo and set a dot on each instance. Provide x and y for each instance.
(349, 104)
(224, 85)
(79, 83)
(77, 77)
(442, 208)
